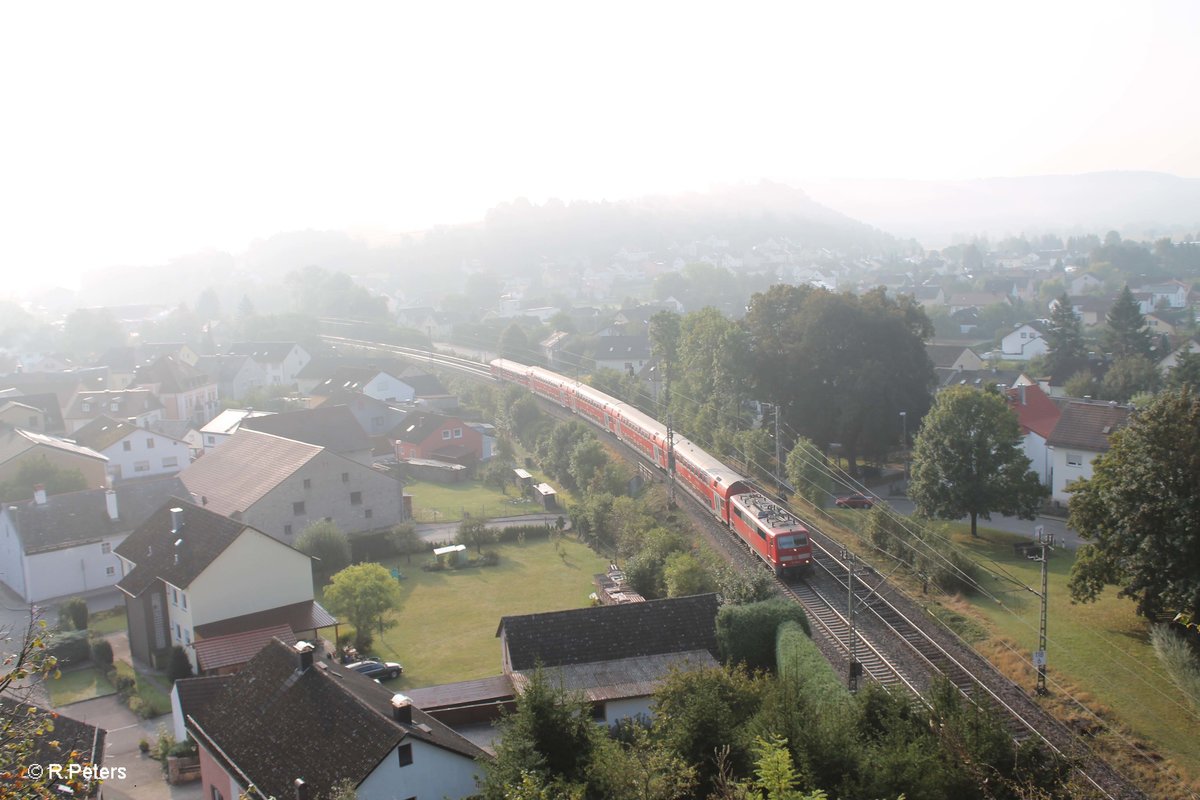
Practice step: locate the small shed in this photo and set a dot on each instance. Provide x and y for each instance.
(524, 479)
(545, 492)
(451, 555)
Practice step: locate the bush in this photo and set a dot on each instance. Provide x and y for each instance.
(102, 654)
(179, 666)
(1180, 661)
(363, 641)
(800, 663)
(69, 647)
(746, 633)
(327, 545)
(490, 559)
(73, 614)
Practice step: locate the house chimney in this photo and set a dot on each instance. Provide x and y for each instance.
(304, 655)
(110, 502)
(402, 709)
(39, 494)
(302, 792)
(176, 520)
(1021, 389)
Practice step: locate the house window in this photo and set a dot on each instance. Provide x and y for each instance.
(183, 599)
(458, 433)
(405, 753)
(308, 483)
(174, 596)
(126, 446)
(367, 514)
(178, 632)
(170, 461)
(446, 434)
(187, 636)
(345, 477)
(216, 794)
(141, 466)
(110, 570)
(149, 444)
(1074, 460)
(356, 498)
(287, 530)
(298, 508)
(211, 440)
(106, 547)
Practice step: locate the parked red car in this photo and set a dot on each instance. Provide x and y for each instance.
(854, 501)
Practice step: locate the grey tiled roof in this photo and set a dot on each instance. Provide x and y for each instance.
(274, 724)
(1086, 425)
(331, 427)
(606, 633)
(152, 548)
(77, 517)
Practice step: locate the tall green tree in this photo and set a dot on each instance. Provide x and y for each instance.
(1128, 376)
(39, 470)
(475, 533)
(514, 343)
(1126, 333)
(1064, 337)
(1140, 510)
(967, 460)
(363, 594)
(842, 367)
(1186, 372)
(550, 736)
(808, 471)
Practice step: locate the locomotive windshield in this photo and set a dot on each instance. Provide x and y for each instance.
(791, 540)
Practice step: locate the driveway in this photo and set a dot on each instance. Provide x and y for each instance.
(144, 778)
(1055, 525)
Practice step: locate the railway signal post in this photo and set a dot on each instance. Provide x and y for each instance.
(1046, 540)
(855, 667)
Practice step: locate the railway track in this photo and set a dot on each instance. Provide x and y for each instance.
(973, 675)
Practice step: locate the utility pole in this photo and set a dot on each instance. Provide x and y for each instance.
(1046, 540)
(670, 439)
(855, 667)
(904, 442)
(778, 462)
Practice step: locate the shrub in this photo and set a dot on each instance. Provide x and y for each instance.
(69, 647)
(179, 666)
(73, 614)
(800, 663)
(746, 633)
(1180, 661)
(363, 641)
(490, 559)
(102, 654)
(327, 545)
(125, 685)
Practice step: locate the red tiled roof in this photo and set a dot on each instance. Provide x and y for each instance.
(233, 649)
(1037, 412)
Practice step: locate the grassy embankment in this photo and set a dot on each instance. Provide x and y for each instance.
(1099, 656)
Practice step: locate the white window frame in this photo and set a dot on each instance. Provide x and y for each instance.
(1074, 459)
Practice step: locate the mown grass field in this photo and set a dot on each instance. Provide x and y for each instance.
(103, 623)
(78, 684)
(439, 502)
(446, 622)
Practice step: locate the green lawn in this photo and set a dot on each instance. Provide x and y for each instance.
(446, 623)
(103, 623)
(1100, 648)
(442, 502)
(153, 689)
(78, 684)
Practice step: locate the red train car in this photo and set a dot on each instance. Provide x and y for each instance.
(776, 535)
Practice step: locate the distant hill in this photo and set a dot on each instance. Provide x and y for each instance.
(1138, 204)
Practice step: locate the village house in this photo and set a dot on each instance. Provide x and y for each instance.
(184, 391)
(375, 417)
(1025, 341)
(282, 361)
(59, 545)
(1037, 414)
(1080, 435)
(139, 406)
(370, 381)
(133, 452)
(224, 425)
(16, 414)
(315, 724)
(18, 447)
(425, 435)
(49, 417)
(281, 486)
(236, 376)
(331, 427)
(193, 578)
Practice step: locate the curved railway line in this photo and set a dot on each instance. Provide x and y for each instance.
(895, 639)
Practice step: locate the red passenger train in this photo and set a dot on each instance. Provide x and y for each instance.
(773, 533)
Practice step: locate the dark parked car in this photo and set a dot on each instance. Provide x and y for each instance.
(854, 501)
(374, 668)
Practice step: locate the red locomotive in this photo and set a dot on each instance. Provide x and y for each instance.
(777, 536)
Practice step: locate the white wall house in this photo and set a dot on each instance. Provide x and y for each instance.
(1023, 343)
(281, 361)
(134, 452)
(65, 544)
(1079, 437)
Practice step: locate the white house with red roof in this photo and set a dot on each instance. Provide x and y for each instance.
(1037, 414)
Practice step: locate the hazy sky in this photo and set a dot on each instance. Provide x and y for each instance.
(133, 132)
